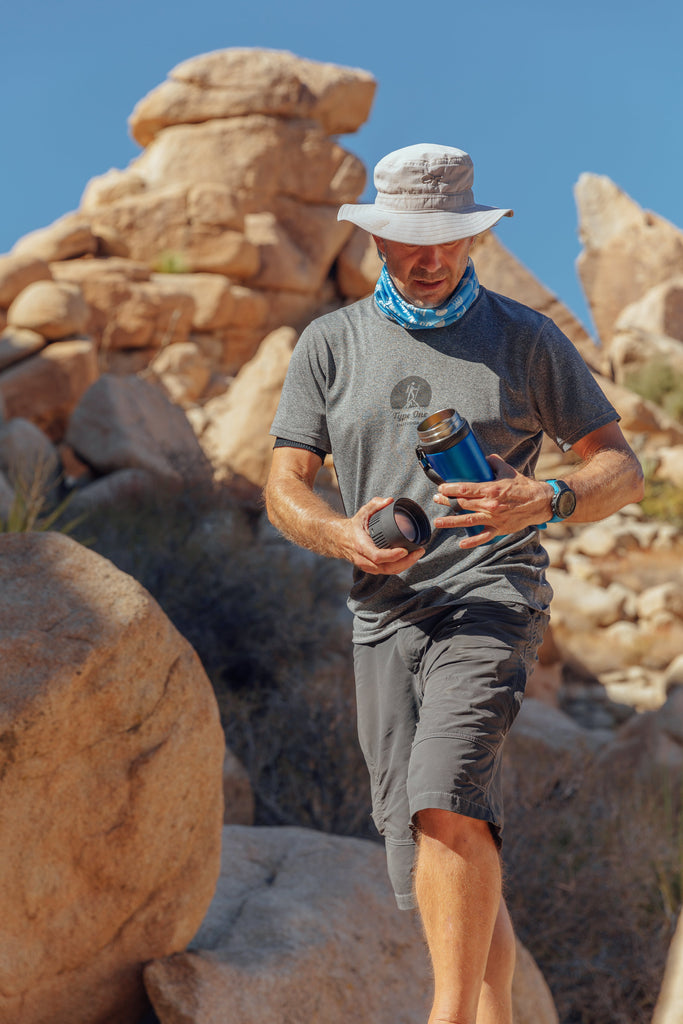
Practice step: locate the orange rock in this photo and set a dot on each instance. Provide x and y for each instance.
(54, 309)
(46, 387)
(235, 82)
(66, 238)
(627, 250)
(256, 157)
(16, 273)
(110, 826)
(358, 266)
(236, 439)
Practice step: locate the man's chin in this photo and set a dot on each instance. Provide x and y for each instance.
(424, 300)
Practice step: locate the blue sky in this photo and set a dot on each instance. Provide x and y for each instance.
(536, 91)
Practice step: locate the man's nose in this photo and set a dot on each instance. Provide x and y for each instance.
(431, 257)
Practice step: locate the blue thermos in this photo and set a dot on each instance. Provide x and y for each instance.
(449, 451)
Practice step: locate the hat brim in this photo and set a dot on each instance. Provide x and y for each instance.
(425, 227)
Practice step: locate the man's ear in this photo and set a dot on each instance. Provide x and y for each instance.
(380, 248)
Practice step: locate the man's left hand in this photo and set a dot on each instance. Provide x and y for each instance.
(505, 505)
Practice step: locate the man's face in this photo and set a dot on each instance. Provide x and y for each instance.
(426, 275)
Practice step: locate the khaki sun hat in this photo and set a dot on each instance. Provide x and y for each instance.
(424, 197)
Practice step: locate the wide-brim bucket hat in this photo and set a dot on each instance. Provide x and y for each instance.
(424, 197)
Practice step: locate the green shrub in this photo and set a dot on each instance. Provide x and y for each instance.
(663, 500)
(170, 261)
(36, 505)
(659, 383)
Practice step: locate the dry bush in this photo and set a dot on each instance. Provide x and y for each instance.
(594, 872)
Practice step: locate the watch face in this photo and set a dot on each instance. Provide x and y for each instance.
(565, 503)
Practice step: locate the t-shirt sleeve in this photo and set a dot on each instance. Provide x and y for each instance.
(301, 413)
(570, 402)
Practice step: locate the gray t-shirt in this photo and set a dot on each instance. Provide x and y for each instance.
(358, 385)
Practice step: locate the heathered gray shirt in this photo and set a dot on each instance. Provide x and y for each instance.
(358, 385)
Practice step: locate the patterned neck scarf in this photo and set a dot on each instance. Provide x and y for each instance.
(395, 307)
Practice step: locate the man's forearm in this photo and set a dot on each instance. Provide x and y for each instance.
(305, 518)
(604, 483)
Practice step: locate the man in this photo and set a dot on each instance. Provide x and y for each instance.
(444, 636)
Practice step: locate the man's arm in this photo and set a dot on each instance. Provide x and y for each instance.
(305, 518)
(608, 478)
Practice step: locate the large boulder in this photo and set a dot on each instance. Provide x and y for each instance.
(55, 309)
(358, 266)
(111, 765)
(255, 157)
(297, 242)
(182, 370)
(66, 238)
(304, 927)
(649, 331)
(128, 423)
(46, 387)
(200, 225)
(217, 302)
(236, 82)
(236, 439)
(627, 250)
(7, 498)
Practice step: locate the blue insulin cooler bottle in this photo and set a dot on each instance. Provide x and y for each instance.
(448, 451)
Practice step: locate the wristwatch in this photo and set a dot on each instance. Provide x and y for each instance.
(563, 501)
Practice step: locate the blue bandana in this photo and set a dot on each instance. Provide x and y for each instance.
(395, 307)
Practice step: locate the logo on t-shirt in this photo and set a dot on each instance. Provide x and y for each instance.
(409, 399)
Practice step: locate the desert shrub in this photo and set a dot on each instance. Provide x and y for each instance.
(270, 626)
(38, 503)
(594, 873)
(663, 500)
(171, 261)
(658, 382)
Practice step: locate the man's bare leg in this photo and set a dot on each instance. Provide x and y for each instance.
(458, 889)
(495, 1001)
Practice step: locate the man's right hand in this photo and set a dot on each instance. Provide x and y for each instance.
(304, 518)
(360, 549)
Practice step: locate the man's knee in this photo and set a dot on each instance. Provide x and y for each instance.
(452, 829)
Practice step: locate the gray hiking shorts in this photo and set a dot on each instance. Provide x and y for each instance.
(435, 702)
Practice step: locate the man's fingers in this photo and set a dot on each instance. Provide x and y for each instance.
(390, 561)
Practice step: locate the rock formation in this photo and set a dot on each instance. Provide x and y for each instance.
(627, 251)
(144, 338)
(111, 765)
(302, 928)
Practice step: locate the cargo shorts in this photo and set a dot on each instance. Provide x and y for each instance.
(435, 702)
